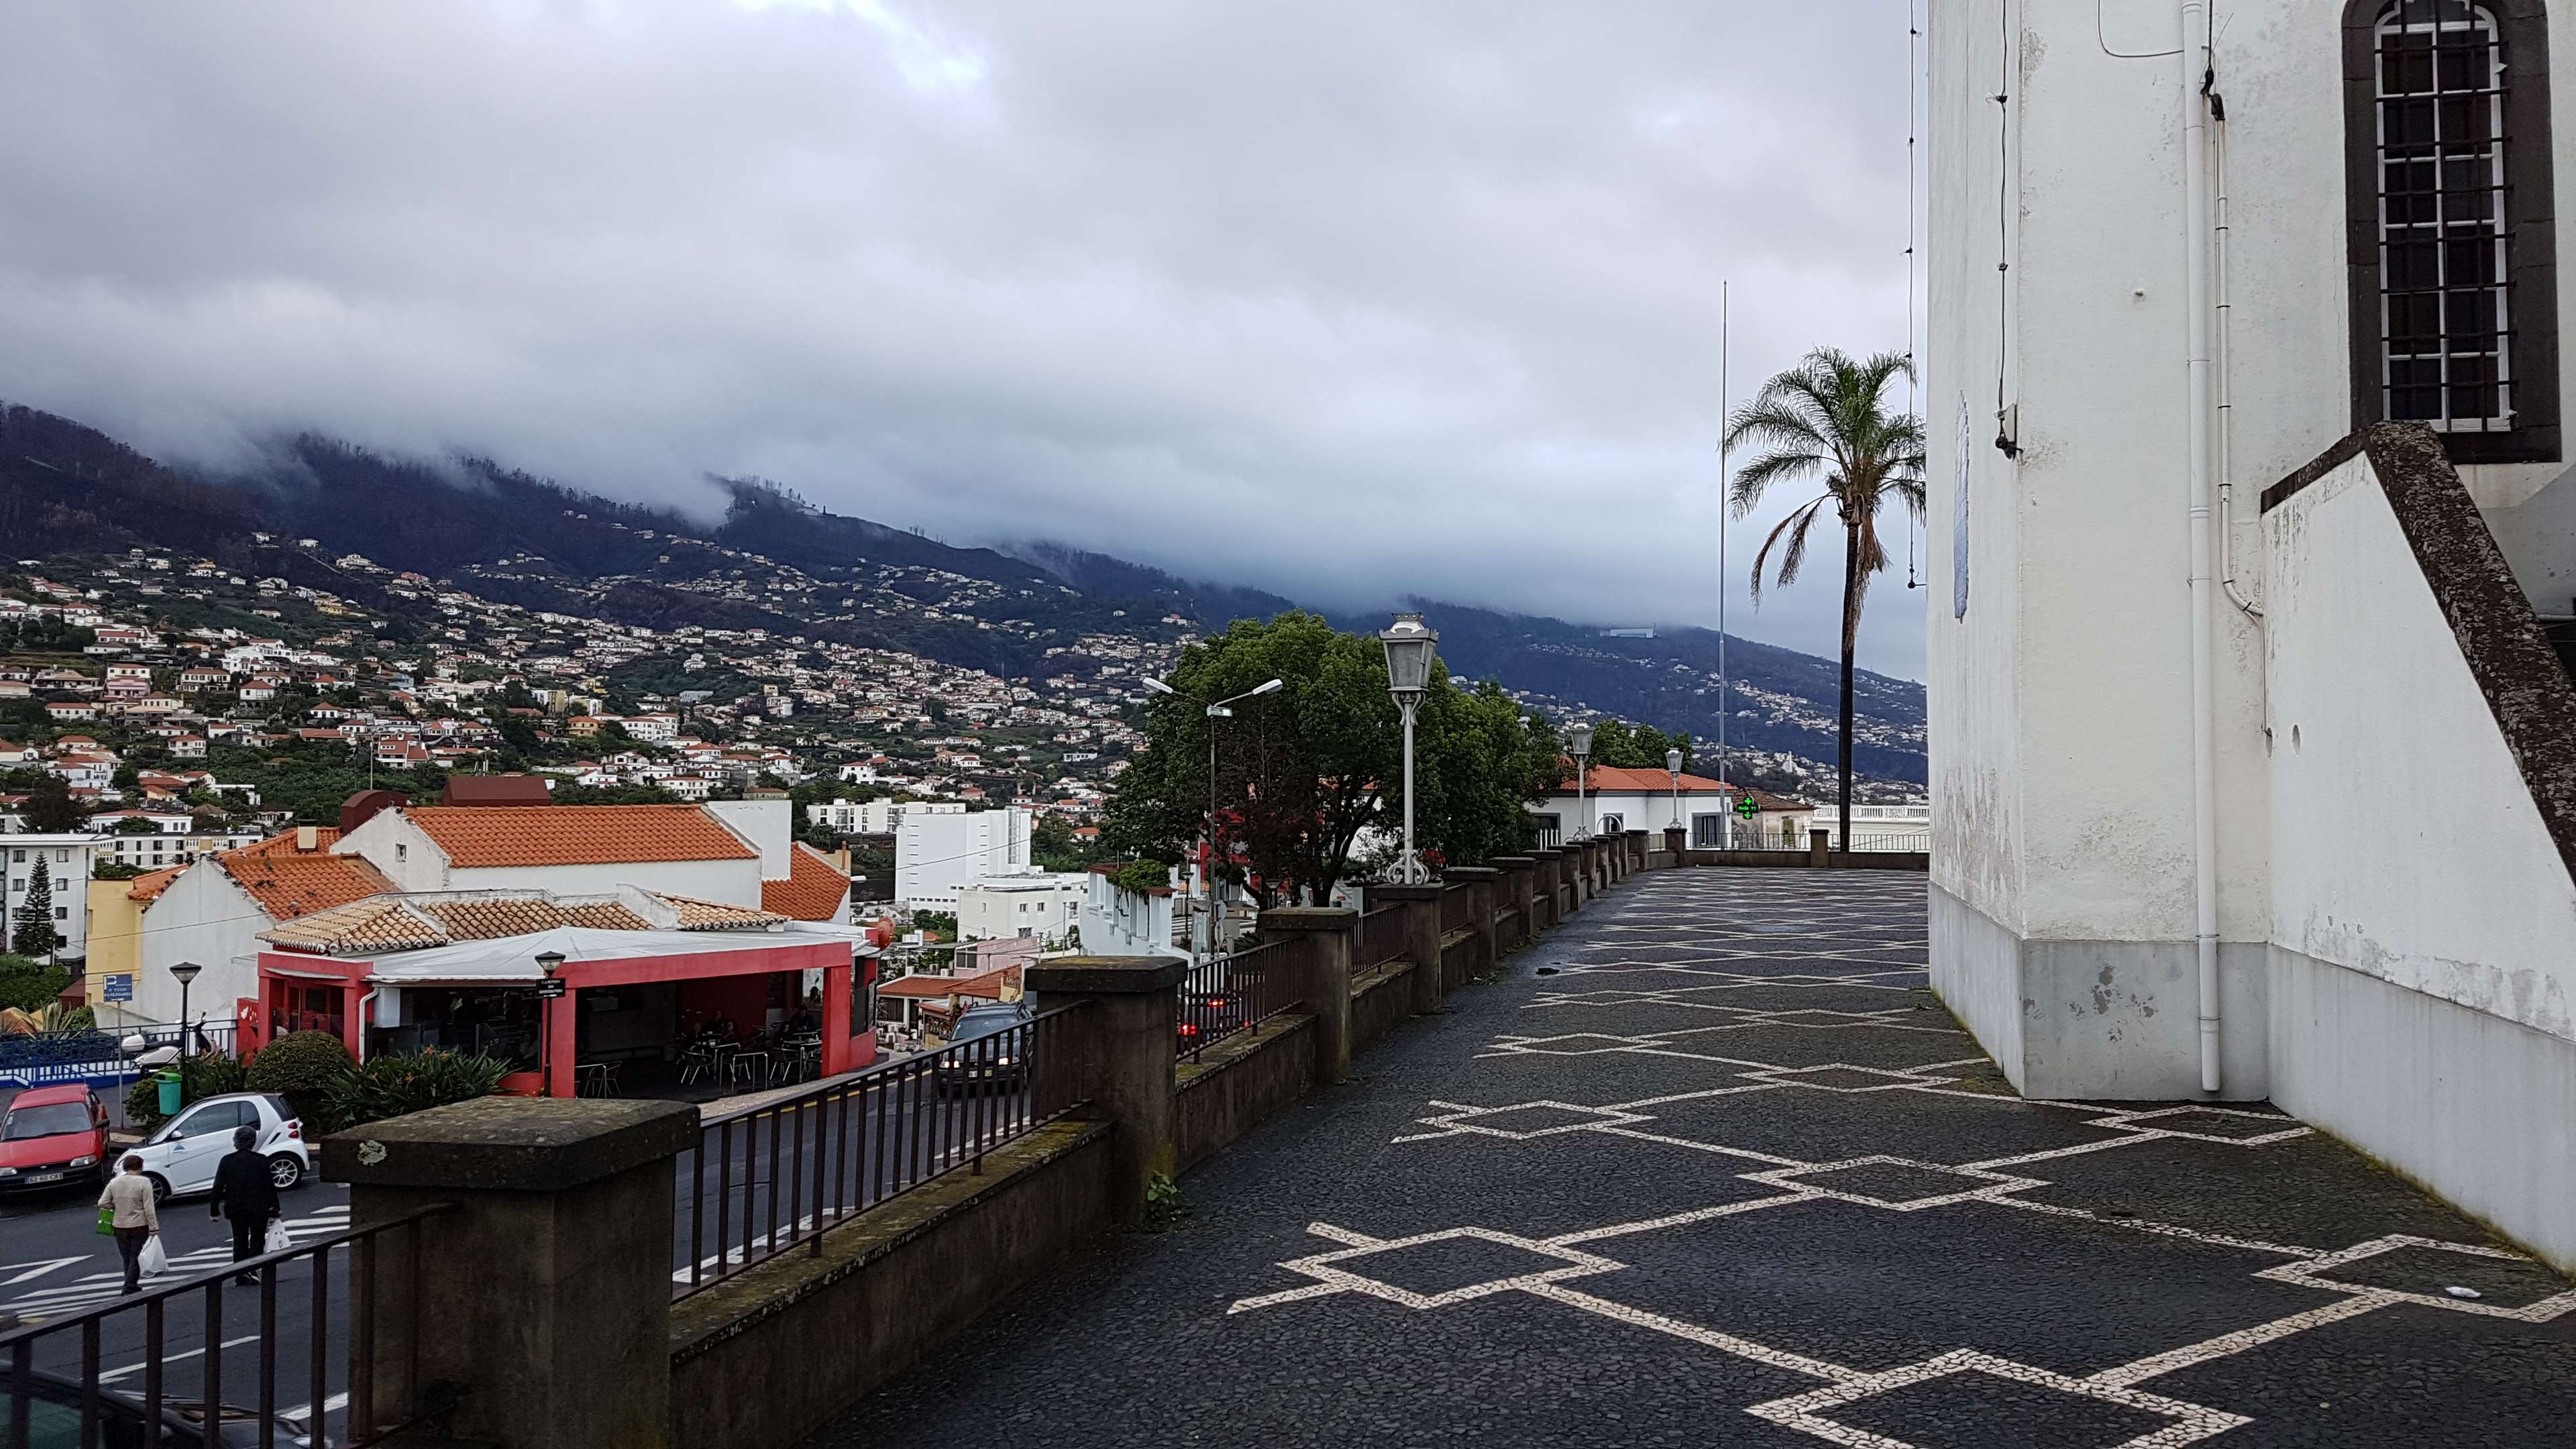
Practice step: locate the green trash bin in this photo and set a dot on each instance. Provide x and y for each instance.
(169, 1094)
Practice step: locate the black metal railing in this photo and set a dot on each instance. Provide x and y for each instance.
(1455, 914)
(768, 1178)
(1232, 995)
(222, 1363)
(1381, 938)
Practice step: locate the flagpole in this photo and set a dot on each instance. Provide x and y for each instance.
(1725, 326)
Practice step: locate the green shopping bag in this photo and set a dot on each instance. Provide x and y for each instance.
(107, 1222)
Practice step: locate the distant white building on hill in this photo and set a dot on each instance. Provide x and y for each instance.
(938, 854)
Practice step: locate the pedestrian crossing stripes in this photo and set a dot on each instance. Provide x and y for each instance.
(91, 1289)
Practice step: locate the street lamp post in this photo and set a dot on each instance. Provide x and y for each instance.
(1673, 763)
(1213, 713)
(1578, 743)
(185, 971)
(1410, 645)
(548, 962)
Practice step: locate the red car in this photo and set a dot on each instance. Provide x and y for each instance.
(53, 1135)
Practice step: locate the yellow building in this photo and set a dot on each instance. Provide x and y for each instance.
(116, 910)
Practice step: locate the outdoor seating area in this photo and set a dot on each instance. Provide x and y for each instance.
(774, 1056)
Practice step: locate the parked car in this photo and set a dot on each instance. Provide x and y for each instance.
(54, 1420)
(1004, 1063)
(52, 1135)
(182, 1156)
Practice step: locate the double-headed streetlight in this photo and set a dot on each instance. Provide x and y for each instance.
(1214, 712)
(1673, 763)
(1410, 645)
(1578, 743)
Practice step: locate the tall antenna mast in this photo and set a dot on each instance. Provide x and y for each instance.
(1725, 328)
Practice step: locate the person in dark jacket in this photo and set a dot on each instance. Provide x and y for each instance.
(245, 1193)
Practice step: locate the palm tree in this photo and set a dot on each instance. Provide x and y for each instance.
(1822, 420)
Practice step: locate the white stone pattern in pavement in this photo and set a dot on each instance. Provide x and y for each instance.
(1718, 943)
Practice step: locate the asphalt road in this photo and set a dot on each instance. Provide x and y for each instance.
(759, 1178)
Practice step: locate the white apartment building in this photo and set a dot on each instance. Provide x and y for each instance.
(2252, 771)
(939, 853)
(869, 817)
(66, 859)
(1118, 922)
(1040, 904)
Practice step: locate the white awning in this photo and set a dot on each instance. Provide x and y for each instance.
(514, 958)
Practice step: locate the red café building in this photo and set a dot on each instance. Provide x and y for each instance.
(650, 982)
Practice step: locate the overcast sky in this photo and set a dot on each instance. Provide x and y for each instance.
(1344, 300)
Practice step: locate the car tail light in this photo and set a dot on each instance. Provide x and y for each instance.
(295, 1127)
(1189, 1028)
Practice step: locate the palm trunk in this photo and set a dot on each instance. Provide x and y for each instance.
(1851, 642)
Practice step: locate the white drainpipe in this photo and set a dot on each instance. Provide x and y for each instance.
(2204, 789)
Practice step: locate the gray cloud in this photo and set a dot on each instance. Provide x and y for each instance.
(1344, 301)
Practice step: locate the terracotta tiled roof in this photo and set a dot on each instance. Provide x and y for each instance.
(576, 834)
(987, 985)
(813, 890)
(396, 921)
(698, 915)
(149, 885)
(1620, 780)
(324, 836)
(378, 923)
(289, 883)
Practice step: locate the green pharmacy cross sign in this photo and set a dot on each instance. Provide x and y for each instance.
(1745, 807)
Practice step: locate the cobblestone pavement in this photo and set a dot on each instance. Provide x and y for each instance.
(1711, 1166)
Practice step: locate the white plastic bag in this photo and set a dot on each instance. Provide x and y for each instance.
(278, 1241)
(154, 1261)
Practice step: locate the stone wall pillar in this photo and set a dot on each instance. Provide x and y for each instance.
(1117, 1053)
(1481, 882)
(1320, 975)
(1819, 848)
(1675, 837)
(1547, 888)
(1421, 906)
(1637, 846)
(1513, 889)
(545, 1290)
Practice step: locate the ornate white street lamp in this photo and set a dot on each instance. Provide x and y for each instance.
(1673, 763)
(1578, 743)
(1410, 645)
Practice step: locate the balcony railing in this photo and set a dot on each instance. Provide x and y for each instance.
(1381, 938)
(771, 1177)
(1232, 995)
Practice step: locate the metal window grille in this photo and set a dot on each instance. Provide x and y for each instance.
(2445, 314)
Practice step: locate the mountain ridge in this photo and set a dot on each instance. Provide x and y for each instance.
(779, 563)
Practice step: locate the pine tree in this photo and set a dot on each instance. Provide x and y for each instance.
(35, 934)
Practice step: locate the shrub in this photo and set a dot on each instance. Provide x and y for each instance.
(403, 1082)
(1141, 876)
(210, 1075)
(311, 1070)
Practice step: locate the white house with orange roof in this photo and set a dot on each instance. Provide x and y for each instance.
(1614, 798)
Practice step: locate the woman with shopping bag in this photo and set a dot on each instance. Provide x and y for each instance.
(245, 1193)
(126, 1210)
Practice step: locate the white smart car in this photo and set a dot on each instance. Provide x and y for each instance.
(182, 1155)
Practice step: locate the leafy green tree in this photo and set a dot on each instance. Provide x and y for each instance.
(50, 809)
(1300, 772)
(29, 985)
(1621, 745)
(1824, 421)
(32, 930)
